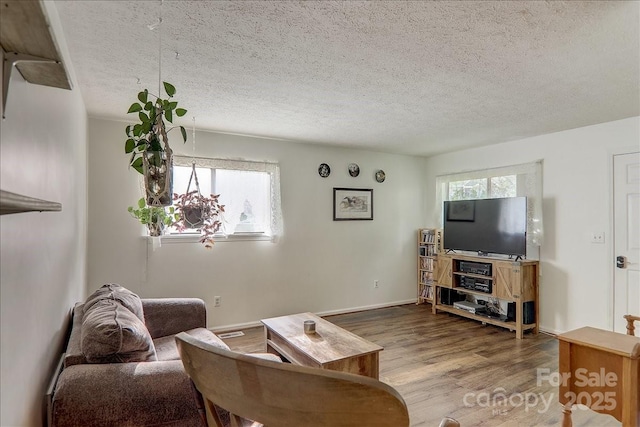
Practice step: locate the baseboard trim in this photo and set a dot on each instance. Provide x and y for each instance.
(256, 323)
(365, 308)
(549, 331)
(234, 327)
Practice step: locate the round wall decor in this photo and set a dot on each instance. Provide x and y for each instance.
(380, 176)
(324, 170)
(354, 169)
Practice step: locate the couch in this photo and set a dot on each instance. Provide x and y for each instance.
(122, 367)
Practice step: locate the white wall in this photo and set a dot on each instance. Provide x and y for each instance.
(42, 255)
(576, 282)
(319, 265)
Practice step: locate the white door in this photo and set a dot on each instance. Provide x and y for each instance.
(626, 227)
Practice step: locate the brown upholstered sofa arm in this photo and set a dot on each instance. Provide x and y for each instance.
(169, 316)
(125, 394)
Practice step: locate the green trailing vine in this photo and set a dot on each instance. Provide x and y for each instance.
(154, 214)
(150, 133)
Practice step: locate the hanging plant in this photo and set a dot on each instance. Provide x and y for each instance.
(156, 218)
(193, 213)
(148, 144)
(192, 207)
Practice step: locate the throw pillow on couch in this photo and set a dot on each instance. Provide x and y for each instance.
(113, 328)
(115, 292)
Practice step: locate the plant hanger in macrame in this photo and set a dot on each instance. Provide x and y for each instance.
(194, 177)
(193, 215)
(158, 169)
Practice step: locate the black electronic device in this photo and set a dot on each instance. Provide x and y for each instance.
(483, 285)
(511, 311)
(476, 284)
(497, 226)
(528, 312)
(482, 268)
(467, 282)
(449, 296)
(492, 315)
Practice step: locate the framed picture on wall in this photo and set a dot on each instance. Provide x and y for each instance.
(351, 204)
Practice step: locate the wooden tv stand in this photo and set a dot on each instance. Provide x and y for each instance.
(513, 281)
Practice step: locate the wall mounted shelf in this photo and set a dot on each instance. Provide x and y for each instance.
(11, 203)
(28, 44)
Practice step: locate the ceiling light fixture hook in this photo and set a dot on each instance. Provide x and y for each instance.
(155, 25)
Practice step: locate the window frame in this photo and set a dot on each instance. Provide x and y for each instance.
(272, 169)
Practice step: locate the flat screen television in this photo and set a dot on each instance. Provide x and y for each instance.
(487, 226)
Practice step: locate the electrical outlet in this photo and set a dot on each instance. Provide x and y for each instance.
(597, 237)
(217, 301)
(375, 284)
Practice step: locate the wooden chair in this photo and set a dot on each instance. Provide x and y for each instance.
(630, 327)
(282, 394)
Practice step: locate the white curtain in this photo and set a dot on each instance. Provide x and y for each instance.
(528, 184)
(246, 165)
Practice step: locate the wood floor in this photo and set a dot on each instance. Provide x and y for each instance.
(444, 365)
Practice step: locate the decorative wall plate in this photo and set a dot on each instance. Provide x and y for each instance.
(354, 169)
(324, 170)
(380, 176)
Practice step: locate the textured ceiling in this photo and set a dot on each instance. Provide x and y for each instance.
(403, 77)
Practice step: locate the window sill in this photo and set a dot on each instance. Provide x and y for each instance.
(219, 238)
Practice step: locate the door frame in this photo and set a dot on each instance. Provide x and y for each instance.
(611, 244)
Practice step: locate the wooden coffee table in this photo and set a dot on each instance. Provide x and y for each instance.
(330, 347)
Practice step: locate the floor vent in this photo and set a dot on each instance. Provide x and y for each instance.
(231, 334)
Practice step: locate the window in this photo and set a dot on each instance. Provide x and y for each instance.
(503, 186)
(245, 195)
(250, 192)
(468, 189)
(484, 188)
(509, 181)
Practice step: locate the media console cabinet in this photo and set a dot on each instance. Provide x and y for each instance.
(506, 280)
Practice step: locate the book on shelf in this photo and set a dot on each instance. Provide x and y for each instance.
(426, 263)
(426, 277)
(428, 250)
(428, 236)
(427, 291)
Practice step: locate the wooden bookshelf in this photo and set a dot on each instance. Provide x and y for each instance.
(429, 244)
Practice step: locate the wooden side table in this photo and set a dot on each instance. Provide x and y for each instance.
(600, 369)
